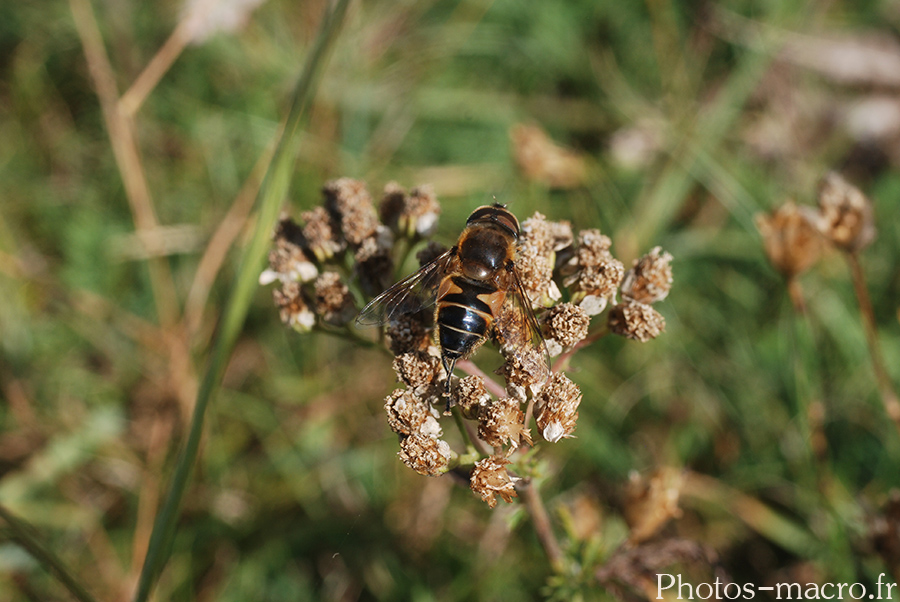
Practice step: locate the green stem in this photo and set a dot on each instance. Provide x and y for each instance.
(24, 535)
(272, 193)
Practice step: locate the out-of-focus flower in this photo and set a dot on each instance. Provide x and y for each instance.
(650, 278)
(410, 215)
(292, 307)
(652, 503)
(502, 422)
(791, 241)
(428, 456)
(204, 18)
(637, 321)
(556, 408)
(542, 160)
(845, 214)
(374, 266)
(430, 252)
(490, 478)
(408, 332)
(320, 233)
(350, 203)
(564, 326)
(333, 299)
(287, 261)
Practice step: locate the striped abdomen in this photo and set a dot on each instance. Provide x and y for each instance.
(466, 310)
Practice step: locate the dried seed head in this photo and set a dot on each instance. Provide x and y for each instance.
(652, 503)
(524, 370)
(536, 272)
(374, 265)
(421, 371)
(471, 396)
(428, 456)
(502, 422)
(292, 307)
(637, 321)
(791, 240)
(430, 252)
(593, 248)
(333, 299)
(542, 160)
(413, 214)
(564, 326)
(845, 214)
(548, 237)
(593, 273)
(349, 201)
(556, 408)
(407, 414)
(490, 478)
(287, 261)
(650, 278)
(408, 332)
(320, 233)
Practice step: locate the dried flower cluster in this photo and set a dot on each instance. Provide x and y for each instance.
(345, 251)
(793, 236)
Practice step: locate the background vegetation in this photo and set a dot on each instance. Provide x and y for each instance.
(121, 233)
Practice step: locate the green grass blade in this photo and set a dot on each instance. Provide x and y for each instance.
(272, 193)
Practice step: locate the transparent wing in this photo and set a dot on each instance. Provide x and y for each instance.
(518, 328)
(409, 295)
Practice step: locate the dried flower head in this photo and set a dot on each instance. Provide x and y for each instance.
(543, 160)
(536, 272)
(490, 478)
(407, 414)
(411, 215)
(556, 408)
(564, 326)
(333, 299)
(408, 332)
(471, 396)
(593, 274)
(548, 237)
(650, 278)
(430, 252)
(652, 503)
(637, 321)
(428, 456)
(422, 371)
(287, 261)
(349, 201)
(502, 422)
(791, 240)
(292, 307)
(320, 233)
(593, 248)
(524, 370)
(374, 265)
(845, 214)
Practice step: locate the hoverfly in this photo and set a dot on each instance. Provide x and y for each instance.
(477, 289)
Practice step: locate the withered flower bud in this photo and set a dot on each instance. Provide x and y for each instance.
(408, 332)
(543, 160)
(650, 278)
(350, 202)
(407, 414)
(564, 326)
(320, 233)
(421, 371)
(333, 299)
(845, 214)
(652, 503)
(490, 478)
(471, 396)
(502, 422)
(791, 241)
(287, 261)
(292, 307)
(637, 321)
(556, 408)
(374, 265)
(428, 456)
(524, 371)
(415, 214)
(430, 252)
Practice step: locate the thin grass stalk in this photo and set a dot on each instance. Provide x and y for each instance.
(271, 195)
(23, 534)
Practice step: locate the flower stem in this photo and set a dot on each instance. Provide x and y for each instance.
(541, 521)
(888, 396)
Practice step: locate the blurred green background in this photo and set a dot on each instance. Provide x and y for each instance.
(680, 121)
